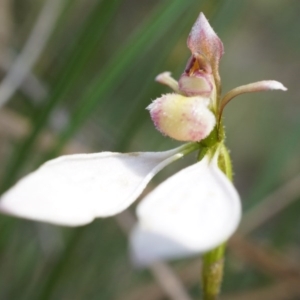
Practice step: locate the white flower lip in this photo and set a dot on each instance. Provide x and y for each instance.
(193, 211)
(73, 190)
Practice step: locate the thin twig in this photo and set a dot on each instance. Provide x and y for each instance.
(284, 290)
(152, 291)
(271, 206)
(31, 86)
(163, 274)
(15, 127)
(32, 50)
(6, 26)
(268, 261)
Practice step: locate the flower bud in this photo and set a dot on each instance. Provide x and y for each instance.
(203, 39)
(182, 118)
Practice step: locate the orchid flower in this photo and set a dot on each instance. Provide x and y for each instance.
(198, 208)
(195, 210)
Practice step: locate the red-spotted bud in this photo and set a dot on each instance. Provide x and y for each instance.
(182, 118)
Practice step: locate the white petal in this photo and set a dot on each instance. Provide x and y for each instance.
(167, 79)
(148, 246)
(193, 211)
(260, 86)
(74, 189)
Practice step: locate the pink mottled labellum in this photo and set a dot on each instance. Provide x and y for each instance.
(182, 118)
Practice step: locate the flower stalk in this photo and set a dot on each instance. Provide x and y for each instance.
(212, 272)
(213, 261)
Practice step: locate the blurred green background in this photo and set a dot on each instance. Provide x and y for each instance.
(87, 92)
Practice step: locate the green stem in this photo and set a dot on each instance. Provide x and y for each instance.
(188, 148)
(213, 261)
(212, 272)
(224, 162)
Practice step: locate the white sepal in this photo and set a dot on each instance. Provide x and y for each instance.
(167, 79)
(193, 211)
(72, 190)
(148, 246)
(260, 86)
